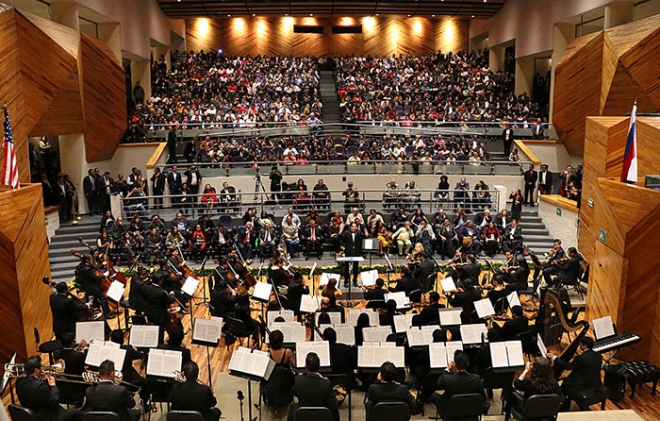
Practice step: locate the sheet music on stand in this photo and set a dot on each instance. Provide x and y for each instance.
(370, 356)
(448, 284)
(262, 291)
(144, 336)
(420, 336)
(450, 316)
(335, 318)
(310, 303)
(541, 345)
(251, 363)
(442, 353)
(163, 362)
(369, 277)
(325, 278)
(402, 322)
(473, 334)
(288, 315)
(376, 334)
(90, 331)
(353, 314)
(116, 291)
(345, 334)
(100, 351)
(603, 327)
(322, 349)
(207, 331)
(190, 286)
(513, 299)
(311, 272)
(370, 244)
(292, 331)
(507, 354)
(484, 308)
(402, 301)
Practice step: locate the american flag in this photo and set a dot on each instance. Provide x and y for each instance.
(10, 168)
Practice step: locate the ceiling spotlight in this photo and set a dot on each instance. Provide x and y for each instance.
(254, 15)
(432, 16)
(377, 14)
(179, 1)
(311, 14)
(472, 15)
(228, 16)
(286, 14)
(409, 15)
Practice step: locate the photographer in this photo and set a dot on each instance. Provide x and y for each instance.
(275, 183)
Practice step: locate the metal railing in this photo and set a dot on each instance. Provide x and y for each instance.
(166, 206)
(343, 167)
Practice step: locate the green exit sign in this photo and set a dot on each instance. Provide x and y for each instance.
(603, 236)
(558, 211)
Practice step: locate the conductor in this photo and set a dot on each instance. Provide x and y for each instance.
(352, 242)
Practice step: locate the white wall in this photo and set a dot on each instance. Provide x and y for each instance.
(564, 227)
(553, 154)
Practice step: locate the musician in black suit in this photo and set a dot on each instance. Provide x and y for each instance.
(424, 268)
(175, 183)
(545, 180)
(376, 296)
(312, 389)
(512, 328)
(89, 282)
(106, 396)
(129, 372)
(135, 296)
(158, 187)
(313, 237)
(343, 357)
(567, 271)
(297, 289)
(456, 380)
(278, 274)
(156, 302)
(386, 389)
(584, 379)
(430, 313)
(74, 364)
(352, 241)
(531, 177)
(65, 311)
(466, 298)
(41, 396)
(192, 396)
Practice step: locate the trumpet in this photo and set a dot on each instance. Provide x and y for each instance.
(18, 370)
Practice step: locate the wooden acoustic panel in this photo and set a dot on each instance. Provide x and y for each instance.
(380, 36)
(603, 74)
(103, 97)
(64, 114)
(23, 263)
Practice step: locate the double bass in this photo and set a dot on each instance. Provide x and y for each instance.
(83, 315)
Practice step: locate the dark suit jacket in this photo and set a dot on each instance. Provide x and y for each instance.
(64, 313)
(531, 178)
(459, 383)
(191, 396)
(87, 185)
(189, 174)
(343, 359)
(465, 299)
(471, 271)
(295, 293)
(158, 183)
(423, 270)
(388, 392)
(571, 269)
(585, 375)
(175, 182)
(36, 395)
(511, 328)
(377, 294)
(548, 180)
(318, 233)
(352, 248)
(105, 396)
(314, 390)
(155, 299)
(431, 314)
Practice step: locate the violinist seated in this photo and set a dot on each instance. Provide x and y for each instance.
(223, 299)
(171, 279)
(278, 275)
(332, 293)
(297, 289)
(65, 311)
(407, 283)
(174, 341)
(497, 289)
(465, 298)
(129, 372)
(514, 272)
(386, 389)
(557, 254)
(456, 380)
(423, 270)
(376, 296)
(40, 394)
(468, 270)
(312, 389)
(512, 328)
(193, 396)
(106, 396)
(430, 314)
(567, 271)
(73, 357)
(89, 277)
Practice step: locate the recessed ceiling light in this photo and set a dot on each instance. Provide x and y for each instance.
(409, 15)
(311, 14)
(228, 16)
(432, 16)
(254, 15)
(377, 14)
(286, 14)
(472, 15)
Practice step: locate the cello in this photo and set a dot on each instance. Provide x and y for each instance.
(83, 315)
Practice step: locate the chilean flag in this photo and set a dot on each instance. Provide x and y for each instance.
(629, 171)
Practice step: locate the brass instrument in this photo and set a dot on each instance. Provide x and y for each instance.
(181, 378)
(14, 370)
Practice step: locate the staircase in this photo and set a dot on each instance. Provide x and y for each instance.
(535, 235)
(62, 263)
(329, 98)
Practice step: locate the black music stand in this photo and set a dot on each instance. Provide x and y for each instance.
(249, 377)
(372, 246)
(349, 260)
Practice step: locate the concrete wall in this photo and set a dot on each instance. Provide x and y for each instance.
(564, 226)
(553, 154)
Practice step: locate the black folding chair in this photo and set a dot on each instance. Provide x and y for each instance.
(21, 413)
(539, 408)
(313, 413)
(184, 416)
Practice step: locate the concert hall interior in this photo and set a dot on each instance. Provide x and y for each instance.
(347, 209)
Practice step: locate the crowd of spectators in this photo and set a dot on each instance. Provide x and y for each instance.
(214, 90)
(451, 88)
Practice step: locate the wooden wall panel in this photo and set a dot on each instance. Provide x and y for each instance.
(607, 284)
(65, 114)
(23, 263)
(617, 66)
(380, 36)
(104, 99)
(39, 51)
